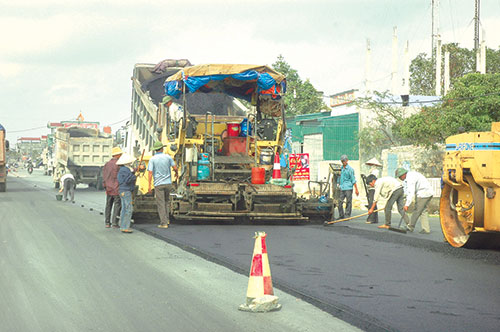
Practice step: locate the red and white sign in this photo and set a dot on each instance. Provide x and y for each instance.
(68, 124)
(300, 161)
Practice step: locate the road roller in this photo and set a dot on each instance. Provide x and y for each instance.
(470, 197)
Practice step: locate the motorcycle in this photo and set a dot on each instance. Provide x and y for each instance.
(30, 168)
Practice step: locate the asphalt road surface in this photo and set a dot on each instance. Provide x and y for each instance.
(61, 270)
(374, 279)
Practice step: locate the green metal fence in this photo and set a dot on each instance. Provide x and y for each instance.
(340, 133)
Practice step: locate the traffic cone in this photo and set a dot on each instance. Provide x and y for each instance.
(260, 294)
(277, 167)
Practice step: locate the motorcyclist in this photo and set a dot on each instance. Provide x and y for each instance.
(30, 166)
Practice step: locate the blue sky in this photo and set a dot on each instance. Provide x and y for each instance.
(60, 57)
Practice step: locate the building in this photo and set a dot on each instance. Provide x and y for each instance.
(30, 146)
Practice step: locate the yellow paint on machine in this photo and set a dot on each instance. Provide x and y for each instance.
(470, 199)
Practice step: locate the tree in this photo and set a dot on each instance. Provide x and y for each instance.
(378, 134)
(301, 96)
(422, 75)
(471, 105)
(462, 62)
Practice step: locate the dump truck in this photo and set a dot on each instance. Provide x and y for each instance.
(82, 152)
(470, 197)
(224, 127)
(4, 145)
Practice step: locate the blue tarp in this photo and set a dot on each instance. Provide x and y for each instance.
(195, 83)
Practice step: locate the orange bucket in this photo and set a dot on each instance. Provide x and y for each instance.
(258, 175)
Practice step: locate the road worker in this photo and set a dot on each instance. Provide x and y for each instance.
(417, 188)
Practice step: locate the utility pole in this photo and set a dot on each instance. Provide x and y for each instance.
(482, 52)
(446, 72)
(435, 26)
(406, 70)
(394, 71)
(476, 26)
(438, 68)
(368, 68)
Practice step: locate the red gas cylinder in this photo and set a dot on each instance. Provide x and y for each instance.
(258, 175)
(233, 129)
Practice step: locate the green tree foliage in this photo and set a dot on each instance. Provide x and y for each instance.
(301, 96)
(471, 105)
(462, 62)
(378, 134)
(422, 75)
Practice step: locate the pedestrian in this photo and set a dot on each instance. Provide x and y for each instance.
(416, 187)
(375, 166)
(67, 184)
(159, 170)
(391, 189)
(347, 183)
(126, 185)
(110, 183)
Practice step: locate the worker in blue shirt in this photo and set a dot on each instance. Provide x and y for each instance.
(347, 182)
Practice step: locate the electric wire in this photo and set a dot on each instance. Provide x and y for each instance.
(24, 130)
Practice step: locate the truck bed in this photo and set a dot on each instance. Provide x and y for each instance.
(82, 151)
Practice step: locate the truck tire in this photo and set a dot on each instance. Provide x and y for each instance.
(3, 187)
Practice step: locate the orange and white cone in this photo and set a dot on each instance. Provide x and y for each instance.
(260, 294)
(277, 167)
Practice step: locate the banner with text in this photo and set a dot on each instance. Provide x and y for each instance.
(300, 161)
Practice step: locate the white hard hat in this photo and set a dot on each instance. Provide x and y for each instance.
(125, 159)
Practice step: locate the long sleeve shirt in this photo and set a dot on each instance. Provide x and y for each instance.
(126, 179)
(416, 184)
(347, 178)
(110, 177)
(385, 186)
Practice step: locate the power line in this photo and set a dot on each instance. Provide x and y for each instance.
(23, 130)
(112, 124)
(44, 127)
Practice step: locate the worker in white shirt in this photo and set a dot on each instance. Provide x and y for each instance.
(391, 189)
(68, 184)
(417, 188)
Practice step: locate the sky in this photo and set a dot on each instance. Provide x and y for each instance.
(62, 57)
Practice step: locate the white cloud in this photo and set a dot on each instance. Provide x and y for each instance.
(28, 35)
(9, 70)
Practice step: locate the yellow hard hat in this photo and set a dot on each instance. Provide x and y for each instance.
(116, 151)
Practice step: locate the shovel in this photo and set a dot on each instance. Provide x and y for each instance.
(399, 229)
(326, 223)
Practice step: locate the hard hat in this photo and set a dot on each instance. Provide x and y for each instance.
(157, 146)
(401, 171)
(373, 162)
(116, 151)
(166, 100)
(343, 157)
(125, 159)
